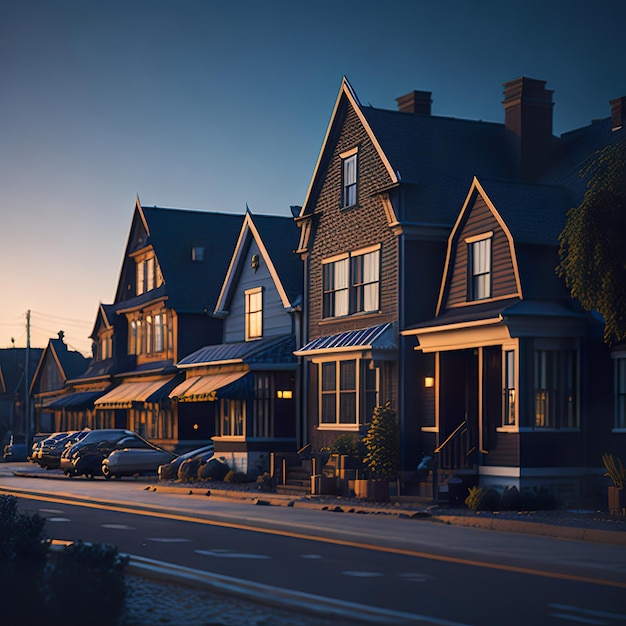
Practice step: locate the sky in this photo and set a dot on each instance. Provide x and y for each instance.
(218, 104)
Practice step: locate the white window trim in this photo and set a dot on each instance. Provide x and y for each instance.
(248, 313)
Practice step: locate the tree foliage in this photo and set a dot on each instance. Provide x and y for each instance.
(382, 443)
(592, 246)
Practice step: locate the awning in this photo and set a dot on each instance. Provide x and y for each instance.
(77, 400)
(125, 394)
(378, 338)
(213, 386)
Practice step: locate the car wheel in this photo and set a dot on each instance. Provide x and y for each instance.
(106, 472)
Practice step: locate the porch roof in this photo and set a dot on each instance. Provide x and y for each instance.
(373, 338)
(123, 396)
(213, 386)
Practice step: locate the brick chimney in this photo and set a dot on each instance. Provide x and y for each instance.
(528, 116)
(618, 112)
(416, 102)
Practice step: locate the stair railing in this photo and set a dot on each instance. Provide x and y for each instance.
(451, 454)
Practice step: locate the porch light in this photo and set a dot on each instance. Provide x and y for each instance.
(195, 427)
(287, 394)
(429, 381)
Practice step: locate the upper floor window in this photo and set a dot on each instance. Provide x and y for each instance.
(479, 269)
(509, 388)
(254, 313)
(351, 283)
(348, 178)
(148, 274)
(148, 335)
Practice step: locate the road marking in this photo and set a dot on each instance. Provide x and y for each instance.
(162, 514)
(591, 612)
(58, 519)
(117, 526)
(414, 577)
(168, 539)
(363, 574)
(224, 554)
(51, 511)
(311, 556)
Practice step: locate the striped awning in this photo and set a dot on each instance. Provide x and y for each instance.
(125, 394)
(77, 400)
(213, 386)
(378, 338)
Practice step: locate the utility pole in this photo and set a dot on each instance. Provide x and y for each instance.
(27, 433)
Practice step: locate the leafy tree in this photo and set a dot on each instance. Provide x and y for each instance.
(592, 246)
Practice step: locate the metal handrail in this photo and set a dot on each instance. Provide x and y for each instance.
(451, 436)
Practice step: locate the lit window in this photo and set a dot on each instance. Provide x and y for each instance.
(556, 389)
(159, 332)
(149, 275)
(351, 284)
(349, 181)
(479, 269)
(254, 313)
(232, 418)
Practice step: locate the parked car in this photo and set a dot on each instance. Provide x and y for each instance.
(14, 451)
(169, 471)
(50, 455)
(136, 460)
(85, 457)
(50, 440)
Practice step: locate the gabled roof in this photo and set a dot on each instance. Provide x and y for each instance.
(105, 317)
(276, 238)
(69, 363)
(191, 286)
(12, 365)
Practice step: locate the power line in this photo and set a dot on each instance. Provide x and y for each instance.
(61, 319)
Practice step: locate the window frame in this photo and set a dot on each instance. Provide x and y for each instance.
(349, 178)
(479, 267)
(509, 388)
(347, 279)
(253, 316)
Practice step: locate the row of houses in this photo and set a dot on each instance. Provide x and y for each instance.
(419, 270)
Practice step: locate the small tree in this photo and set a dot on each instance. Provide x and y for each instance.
(592, 246)
(382, 444)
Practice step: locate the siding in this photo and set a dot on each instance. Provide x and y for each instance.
(276, 321)
(480, 219)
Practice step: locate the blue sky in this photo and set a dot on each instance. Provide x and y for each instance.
(210, 105)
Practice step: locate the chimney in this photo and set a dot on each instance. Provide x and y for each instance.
(528, 116)
(416, 102)
(618, 112)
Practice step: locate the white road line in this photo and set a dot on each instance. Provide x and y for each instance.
(363, 574)
(51, 511)
(168, 539)
(58, 519)
(311, 556)
(223, 554)
(117, 526)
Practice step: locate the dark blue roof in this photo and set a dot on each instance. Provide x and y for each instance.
(379, 337)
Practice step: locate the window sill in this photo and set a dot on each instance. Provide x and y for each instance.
(429, 429)
(354, 427)
(349, 207)
(229, 438)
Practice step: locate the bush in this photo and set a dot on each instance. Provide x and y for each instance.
(91, 580)
(236, 477)
(382, 443)
(213, 469)
(188, 470)
(481, 499)
(350, 444)
(511, 499)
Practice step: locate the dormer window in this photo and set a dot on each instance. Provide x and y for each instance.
(479, 267)
(349, 178)
(148, 274)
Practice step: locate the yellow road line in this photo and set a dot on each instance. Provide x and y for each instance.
(341, 542)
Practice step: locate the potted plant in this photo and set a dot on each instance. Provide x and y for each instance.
(382, 456)
(616, 471)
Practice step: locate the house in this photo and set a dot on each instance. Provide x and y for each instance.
(57, 365)
(247, 384)
(420, 235)
(170, 279)
(13, 406)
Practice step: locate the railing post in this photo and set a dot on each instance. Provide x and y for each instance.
(284, 468)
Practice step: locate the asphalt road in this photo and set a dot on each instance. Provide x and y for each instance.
(444, 574)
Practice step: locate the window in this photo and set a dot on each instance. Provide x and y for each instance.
(148, 335)
(509, 388)
(148, 274)
(348, 392)
(351, 284)
(263, 417)
(349, 177)
(231, 417)
(254, 313)
(556, 389)
(620, 393)
(479, 257)
(159, 332)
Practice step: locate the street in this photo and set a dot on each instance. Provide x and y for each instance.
(411, 566)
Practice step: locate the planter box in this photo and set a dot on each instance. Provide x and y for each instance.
(617, 501)
(372, 490)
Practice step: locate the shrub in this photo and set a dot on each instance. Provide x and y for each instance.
(89, 578)
(188, 470)
(350, 444)
(382, 444)
(214, 469)
(481, 499)
(511, 500)
(236, 477)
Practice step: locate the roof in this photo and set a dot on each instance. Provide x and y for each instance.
(190, 286)
(373, 338)
(269, 350)
(77, 400)
(125, 394)
(12, 364)
(212, 386)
